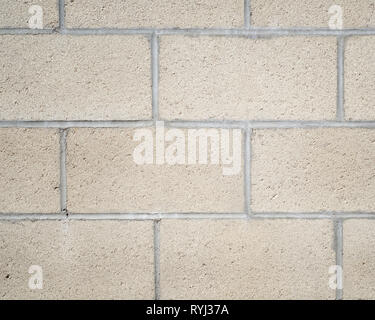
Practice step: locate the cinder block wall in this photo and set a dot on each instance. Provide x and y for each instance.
(73, 201)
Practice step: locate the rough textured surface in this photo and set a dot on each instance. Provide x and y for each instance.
(359, 78)
(156, 13)
(115, 63)
(29, 170)
(15, 13)
(359, 259)
(307, 13)
(74, 78)
(103, 177)
(313, 169)
(79, 259)
(275, 259)
(239, 78)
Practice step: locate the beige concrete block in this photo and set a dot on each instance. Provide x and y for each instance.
(359, 259)
(306, 13)
(60, 77)
(103, 176)
(359, 75)
(79, 259)
(253, 259)
(15, 13)
(312, 170)
(156, 13)
(29, 171)
(285, 78)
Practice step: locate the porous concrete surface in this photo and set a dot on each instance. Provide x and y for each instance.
(62, 77)
(313, 14)
(102, 176)
(156, 13)
(205, 78)
(75, 201)
(79, 259)
(359, 259)
(261, 259)
(359, 75)
(29, 170)
(15, 13)
(310, 170)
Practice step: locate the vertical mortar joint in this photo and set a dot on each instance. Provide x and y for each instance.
(247, 14)
(155, 76)
(338, 226)
(63, 187)
(340, 114)
(61, 5)
(247, 170)
(157, 258)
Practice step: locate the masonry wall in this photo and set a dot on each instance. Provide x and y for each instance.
(74, 202)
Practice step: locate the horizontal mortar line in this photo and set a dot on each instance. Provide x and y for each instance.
(252, 31)
(260, 124)
(32, 216)
(315, 215)
(11, 31)
(158, 216)
(107, 31)
(77, 124)
(102, 31)
(311, 124)
(202, 215)
(205, 124)
(186, 124)
(121, 216)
